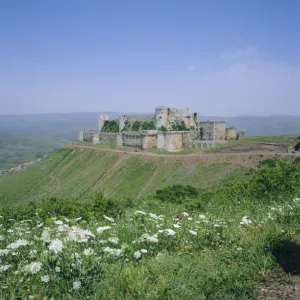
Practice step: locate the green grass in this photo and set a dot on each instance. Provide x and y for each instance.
(211, 255)
(75, 172)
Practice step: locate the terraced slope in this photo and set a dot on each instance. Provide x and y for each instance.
(76, 171)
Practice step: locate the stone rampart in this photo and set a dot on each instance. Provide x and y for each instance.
(131, 139)
(107, 137)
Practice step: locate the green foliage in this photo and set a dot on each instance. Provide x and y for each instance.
(179, 126)
(209, 254)
(162, 128)
(148, 125)
(271, 180)
(110, 126)
(177, 193)
(136, 126)
(70, 207)
(127, 126)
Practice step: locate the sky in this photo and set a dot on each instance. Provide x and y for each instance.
(226, 58)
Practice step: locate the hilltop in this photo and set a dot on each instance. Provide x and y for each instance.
(78, 170)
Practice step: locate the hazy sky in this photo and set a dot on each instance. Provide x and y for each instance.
(223, 57)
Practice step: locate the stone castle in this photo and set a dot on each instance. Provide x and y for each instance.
(169, 129)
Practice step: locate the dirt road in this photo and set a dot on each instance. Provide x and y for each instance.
(200, 154)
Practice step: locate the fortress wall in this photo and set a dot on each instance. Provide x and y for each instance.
(160, 140)
(86, 136)
(207, 130)
(207, 144)
(133, 118)
(80, 138)
(149, 141)
(107, 137)
(131, 139)
(220, 129)
(230, 133)
(173, 141)
(140, 118)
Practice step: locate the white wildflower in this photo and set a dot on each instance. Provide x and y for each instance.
(102, 241)
(239, 249)
(185, 214)
(56, 246)
(176, 226)
(57, 269)
(88, 251)
(246, 221)
(10, 231)
(4, 252)
(101, 229)
(108, 218)
(58, 222)
(77, 219)
(45, 278)
(113, 240)
(34, 267)
(17, 244)
(137, 254)
(140, 212)
(170, 232)
(116, 252)
(76, 285)
(190, 219)
(32, 252)
(202, 217)
(144, 251)
(192, 232)
(152, 239)
(45, 236)
(4, 268)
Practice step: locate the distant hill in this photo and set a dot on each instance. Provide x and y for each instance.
(18, 148)
(60, 125)
(68, 125)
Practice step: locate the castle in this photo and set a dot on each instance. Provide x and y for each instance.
(169, 129)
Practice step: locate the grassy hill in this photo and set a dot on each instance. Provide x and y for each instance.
(235, 240)
(75, 172)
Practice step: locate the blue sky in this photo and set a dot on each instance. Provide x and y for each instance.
(217, 57)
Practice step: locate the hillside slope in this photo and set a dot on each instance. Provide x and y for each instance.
(76, 172)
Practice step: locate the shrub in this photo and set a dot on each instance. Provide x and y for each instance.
(69, 207)
(177, 193)
(110, 126)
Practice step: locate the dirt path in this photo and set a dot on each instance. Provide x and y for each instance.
(201, 154)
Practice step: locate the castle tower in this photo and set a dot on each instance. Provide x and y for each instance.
(102, 118)
(161, 116)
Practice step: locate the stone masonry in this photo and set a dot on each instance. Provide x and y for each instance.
(198, 134)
